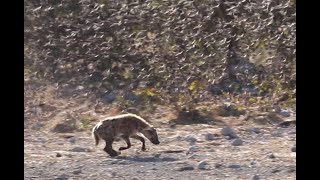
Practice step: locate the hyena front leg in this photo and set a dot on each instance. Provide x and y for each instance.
(108, 149)
(126, 138)
(140, 139)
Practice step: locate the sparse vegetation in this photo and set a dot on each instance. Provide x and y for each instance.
(151, 52)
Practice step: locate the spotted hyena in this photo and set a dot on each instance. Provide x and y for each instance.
(123, 126)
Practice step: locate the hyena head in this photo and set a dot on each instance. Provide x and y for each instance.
(151, 134)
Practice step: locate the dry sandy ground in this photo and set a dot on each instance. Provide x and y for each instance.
(197, 151)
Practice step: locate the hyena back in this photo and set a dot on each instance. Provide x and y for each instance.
(123, 126)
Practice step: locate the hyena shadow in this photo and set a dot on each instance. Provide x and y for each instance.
(146, 158)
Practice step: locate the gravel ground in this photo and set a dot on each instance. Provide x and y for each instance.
(197, 151)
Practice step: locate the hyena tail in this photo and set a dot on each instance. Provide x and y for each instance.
(95, 136)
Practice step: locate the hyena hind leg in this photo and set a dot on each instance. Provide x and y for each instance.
(140, 139)
(128, 144)
(108, 149)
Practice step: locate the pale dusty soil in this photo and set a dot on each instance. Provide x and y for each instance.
(174, 158)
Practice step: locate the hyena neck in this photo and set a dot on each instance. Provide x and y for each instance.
(143, 126)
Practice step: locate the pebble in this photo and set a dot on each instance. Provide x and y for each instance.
(77, 171)
(37, 126)
(284, 113)
(234, 166)
(134, 178)
(271, 156)
(209, 136)
(237, 142)
(186, 168)
(193, 149)
(255, 177)
(276, 109)
(217, 165)
(79, 149)
(255, 130)
(293, 149)
(113, 174)
(191, 138)
(202, 164)
(260, 120)
(178, 138)
(63, 176)
(194, 156)
(226, 131)
(72, 140)
(275, 170)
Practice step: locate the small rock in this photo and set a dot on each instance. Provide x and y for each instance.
(172, 125)
(271, 156)
(77, 171)
(255, 130)
(131, 97)
(113, 174)
(41, 140)
(255, 177)
(67, 126)
(109, 98)
(63, 176)
(260, 120)
(274, 118)
(286, 124)
(275, 170)
(284, 113)
(229, 109)
(178, 138)
(276, 109)
(58, 155)
(234, 166)
(226, 131)
(292, 131)
(202, 164)
(134, 178)
(293, 149)
(209, 137)
(194, 156)
(276, 133)
(192, 149)
(253, 163)
(72, 140)
(157, 155)
(217, 165)
(37, 126)
(237, 142)
(79, 149)
(186, 168)
(191, 138)
(79, 88)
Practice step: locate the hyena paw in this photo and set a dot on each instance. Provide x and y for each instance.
(122, 148)
(115, 153)
(143, 149)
